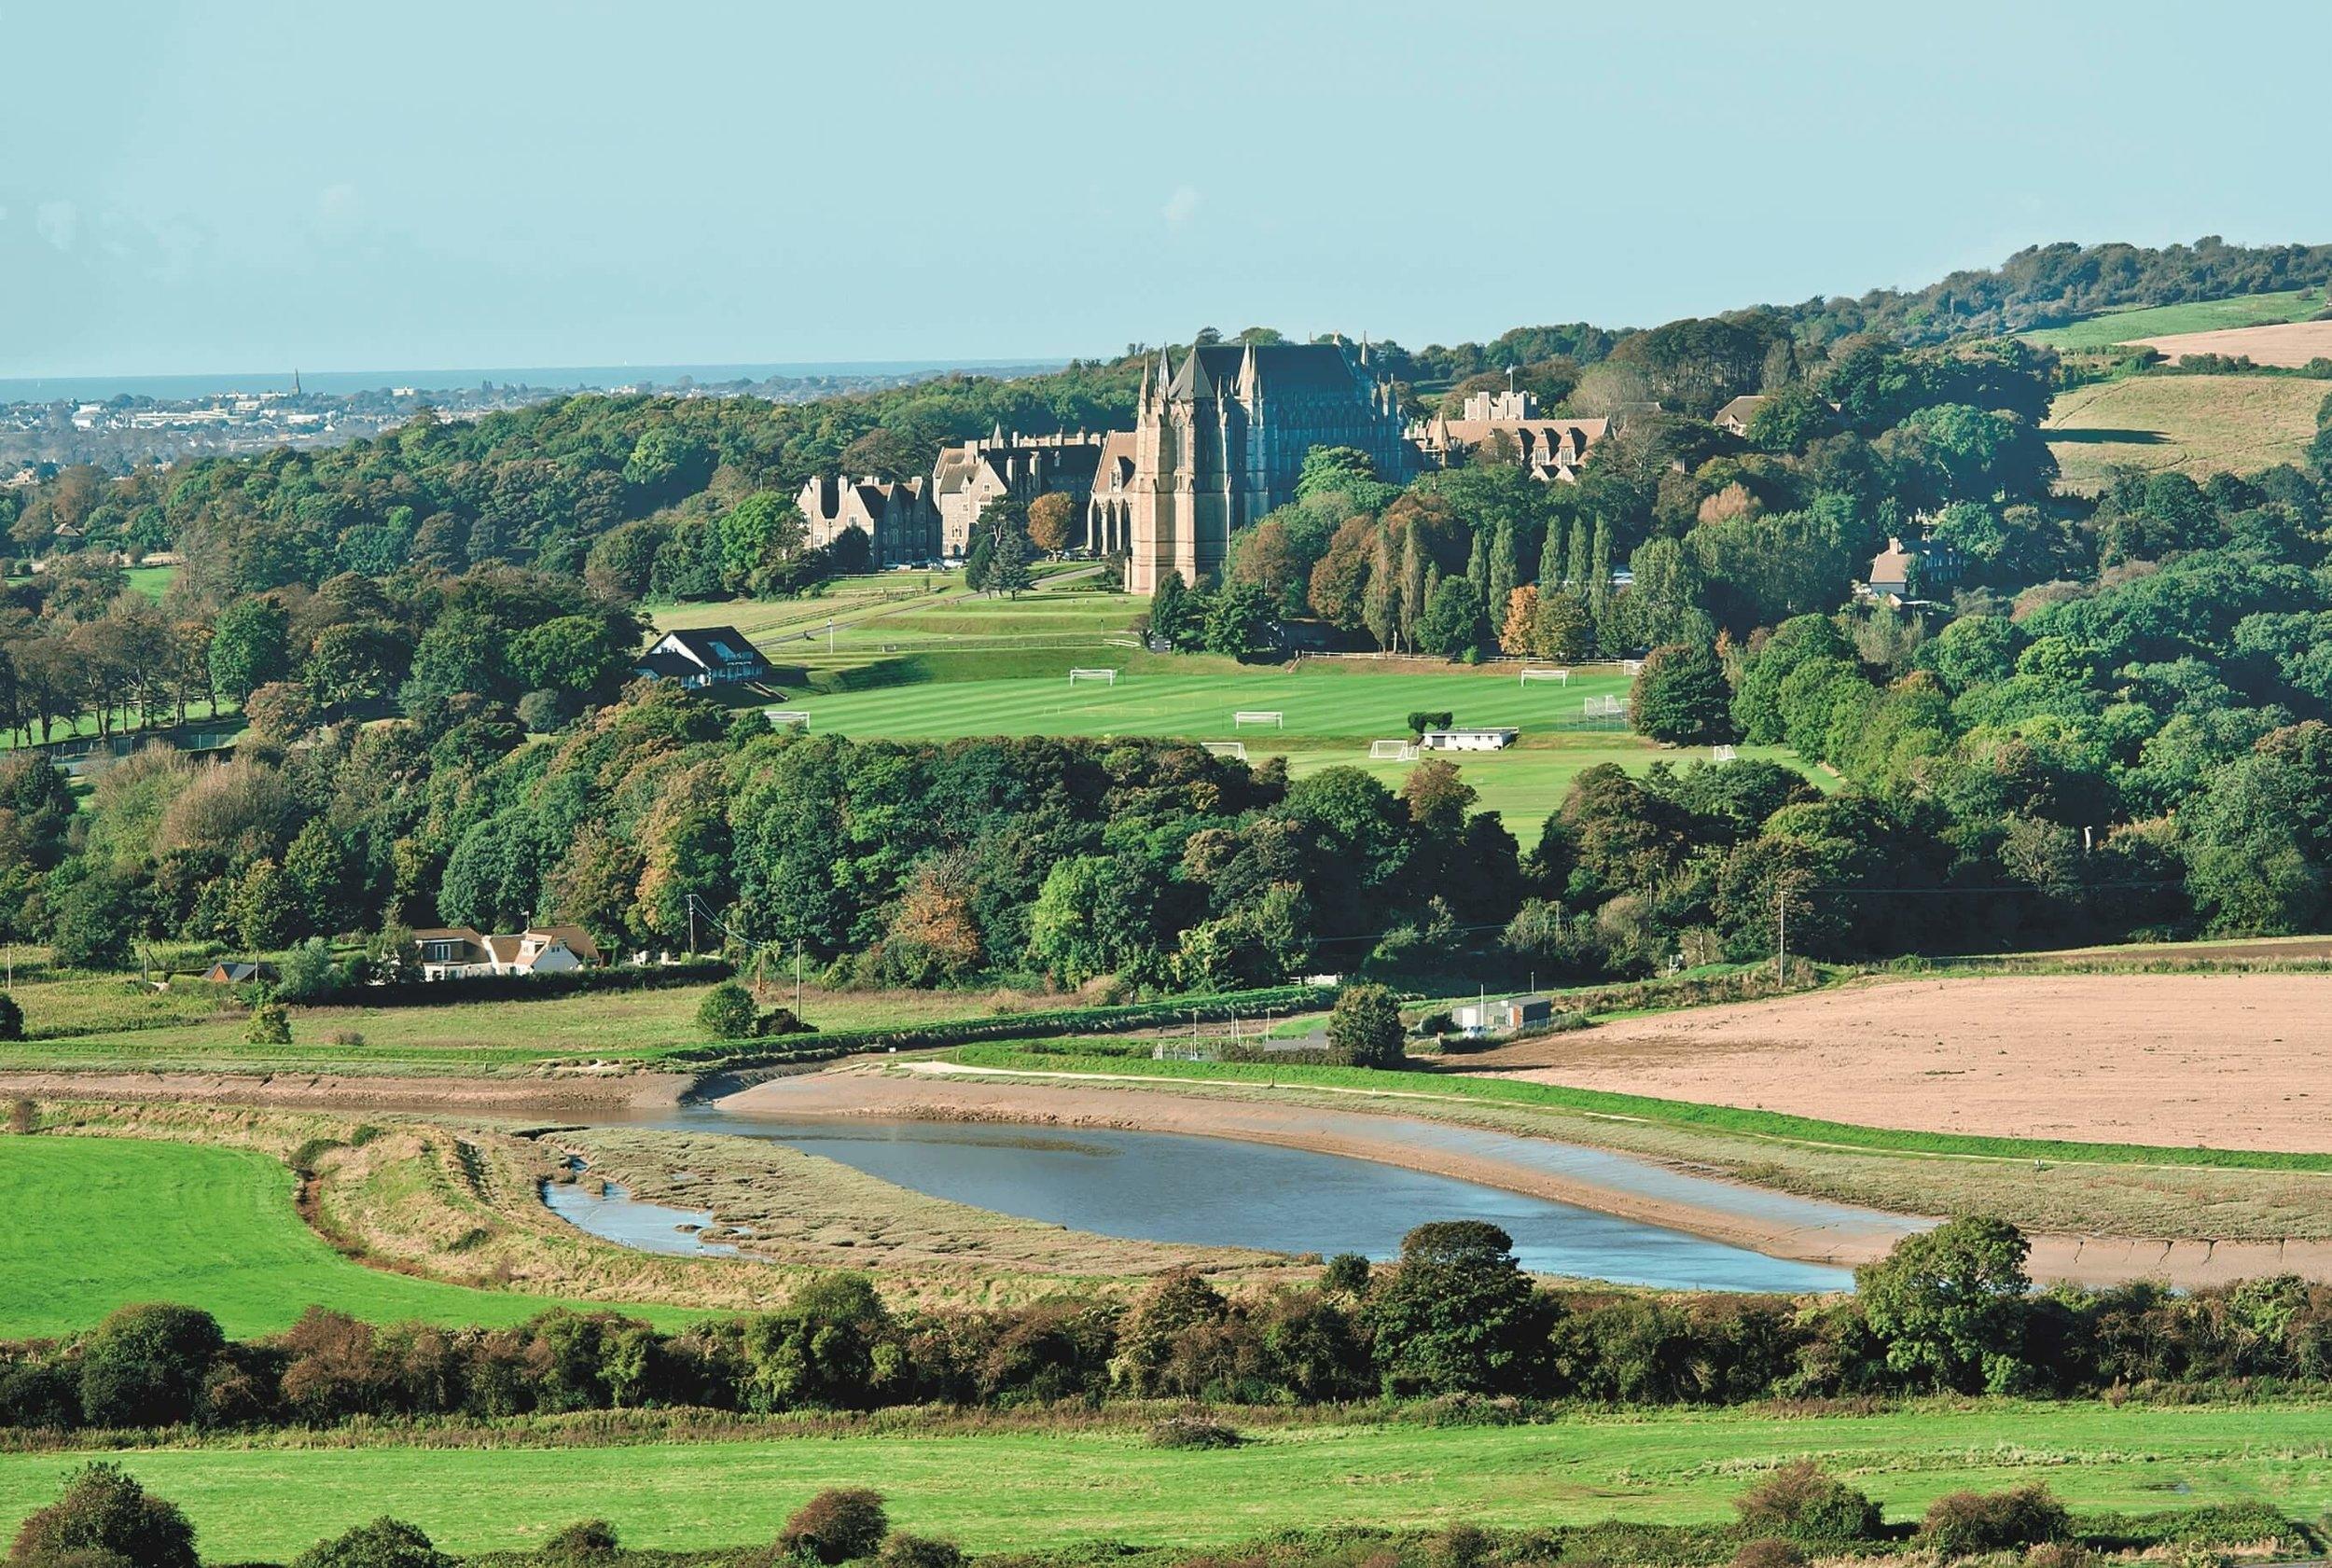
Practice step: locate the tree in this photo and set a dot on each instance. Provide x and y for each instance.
(573, 654)
(385, 1543)
(95, 919)
(1949, 1304)
(1050, 518)
(1239, 623)
(840, 1524)
(1008, 571)
(1364, 1029)
(1452, 623)
(726, 1012)
(270, 1025)
(250, 646)
(1174, 616)
(1457, 1314)
(1563, 627)
(11, 1018)
(1519, 635)
(1430, 718)
(1680, 696)
(105, 1518)
(145, 1365)
(754, 534)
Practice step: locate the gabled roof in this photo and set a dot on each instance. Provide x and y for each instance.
(1278, 367)
(1742, 408)
(669, 666)
(711, 646)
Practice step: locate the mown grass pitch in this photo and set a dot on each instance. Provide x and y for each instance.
(1320, 700)
(1039, 1489)
(99, 1223)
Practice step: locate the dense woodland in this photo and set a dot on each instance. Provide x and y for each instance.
(1454, 1316)
(2109, 717)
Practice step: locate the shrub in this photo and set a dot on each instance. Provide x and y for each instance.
(308, 974)
(348, 1037)
(104, 1514)
(23, 1117)
(1348, 1272)
(1798, 1503)
(1421, 722)
(591, 1540)
(838, 1525)
(385, 1543)
(1460, 1545)
(2059, 1554)
(145, 1365)
(726, 1012)
(270, 1025)
(1964, 1524)
(919, 1551)
(1364, 1029)
(1769, 1552)
(11, 1018)
(1193, 1432)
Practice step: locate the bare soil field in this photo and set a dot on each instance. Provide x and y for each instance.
(2290, 344)
(2237, 1062)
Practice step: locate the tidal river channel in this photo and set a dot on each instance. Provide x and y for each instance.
(1173, 1187)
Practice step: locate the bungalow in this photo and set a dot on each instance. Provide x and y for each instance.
(702, 656)
(458, 953)
(1467, 740)
(1502, 1017)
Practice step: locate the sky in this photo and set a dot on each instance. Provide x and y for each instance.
(189, 188)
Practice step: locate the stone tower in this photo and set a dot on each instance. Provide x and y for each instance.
(1220, 439)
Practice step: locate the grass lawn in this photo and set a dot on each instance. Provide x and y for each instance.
(2202, 315)
(152, 581)
(2199, 425)
(122, 1220)
(111, 1023)
(1033, 1490)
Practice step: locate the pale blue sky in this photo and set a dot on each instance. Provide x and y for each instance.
(508, 183)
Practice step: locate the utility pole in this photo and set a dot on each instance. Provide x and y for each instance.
(692, 924)
(829, 634)
(1781, 938)
(796, 977)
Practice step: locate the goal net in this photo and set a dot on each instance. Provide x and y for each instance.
(1107, 677)
(1256, 715)
(1228, 748)
(1561, 677)
(1722, 754)
(1392, 751)
(1631, 667)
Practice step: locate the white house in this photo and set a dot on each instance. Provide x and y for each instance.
(1468, 740)
(702, 656)
(459, 953)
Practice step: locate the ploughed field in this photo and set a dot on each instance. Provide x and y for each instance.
(2229, 1062)
(1043, 1489)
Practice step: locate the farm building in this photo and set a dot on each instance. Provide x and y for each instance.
(1467, 740)
(1501, 1017)
(702, 656)
(459, 953)
(237, 971)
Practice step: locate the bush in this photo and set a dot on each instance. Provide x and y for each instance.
(1348, 1272)
(838, 1525)
(919, 1551)
(1798, 1503)
(1193, 1432)
(2059, 1554)
(348, 1038)
(11, 1018)
(1460, 1545)
(270, 1025)
(1964, 1524)
(1364, 1029)
(1769, 1552)
(104, 1514)
(1421, 722)
(23, 1117)
(726, 1012)
(591, 1540)
(145, 1365)
(385, 1543)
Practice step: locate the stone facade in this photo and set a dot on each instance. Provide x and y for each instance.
(1022, 467)
(1220, 439)
(1549, 449)
(895, 516)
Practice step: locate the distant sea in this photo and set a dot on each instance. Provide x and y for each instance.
(567, 378)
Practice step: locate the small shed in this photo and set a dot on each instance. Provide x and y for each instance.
(236, 971)
(1468, 740)
(1504, 1016)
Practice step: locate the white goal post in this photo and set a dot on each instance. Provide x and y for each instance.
(1271, 717)
(1722, 754)
(1392, 751)
(1631, 667)
(1605, 707)
(1227, 748)
(1107, 677)
(1561, 677)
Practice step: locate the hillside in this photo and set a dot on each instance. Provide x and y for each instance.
(2142, 324)
(2291, 344)
(2197, 425)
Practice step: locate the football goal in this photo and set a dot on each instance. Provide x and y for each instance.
(1722, 754)
(1631, 667)
(1227, 748)
(1605, 712)
(1107, 677)
(781, 719)
(1392, 751)
(1561, 677)
(1271, 717)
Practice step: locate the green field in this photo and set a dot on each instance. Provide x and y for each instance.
(2198, 425)
(124, 1220)
(1023, 1491)
(2159, 321)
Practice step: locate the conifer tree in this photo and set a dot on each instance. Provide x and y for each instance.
(1550, 557)
(1505, 571)
(1576, 575)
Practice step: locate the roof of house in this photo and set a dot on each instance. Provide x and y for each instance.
(711, 646)
(671, 666)
(579, 942)
(1742, 408)
(235, 970)
(1278, 367)
(1892, 564)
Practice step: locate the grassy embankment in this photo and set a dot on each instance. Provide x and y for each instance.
(2110, 327)
(1049, 1488)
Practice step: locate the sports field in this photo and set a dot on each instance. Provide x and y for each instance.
(2198, 425)
(1038, 1490)
(2110, 327)
(99, 1223)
